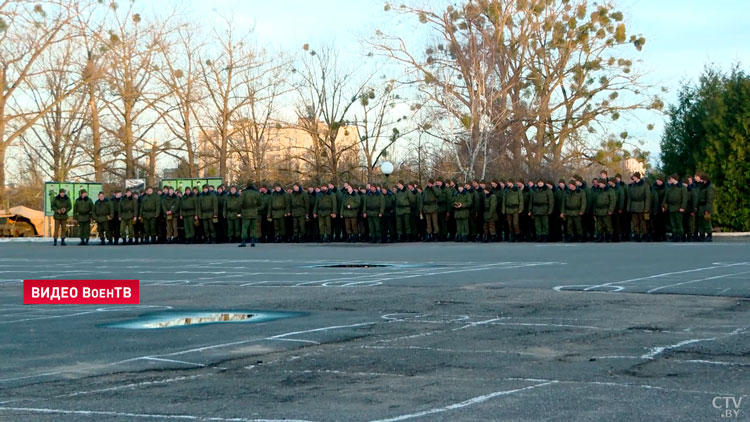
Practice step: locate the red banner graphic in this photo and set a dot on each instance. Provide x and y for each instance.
(80, 292)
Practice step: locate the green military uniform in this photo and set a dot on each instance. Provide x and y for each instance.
(231, 212)
(542, 203)
(104, 212)
(639, 205)
(675, 199)
(444, 202)
(388, 222)
(430, 209)
(706, 195)
(374, 208)
(83, 210)
(128, 210)
(61, 207)
(511, 208)
(300, 203)
(350, 205)
(462, 214)
(490, 216)
(208, 209)
(617, 216)
(170, 209)
(251, 201)
(605, 201)
(188, 215)
(573, 207)
(325, 206)
(148, 212)
(692, 210)
(278, 208)
(403, 202)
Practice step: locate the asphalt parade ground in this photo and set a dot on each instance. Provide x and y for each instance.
(404, 332)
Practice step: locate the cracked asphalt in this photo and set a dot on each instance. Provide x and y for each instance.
(433, 332)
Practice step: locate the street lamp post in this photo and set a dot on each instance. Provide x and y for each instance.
(387, 169)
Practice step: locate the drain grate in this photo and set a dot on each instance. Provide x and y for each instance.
(177, 319)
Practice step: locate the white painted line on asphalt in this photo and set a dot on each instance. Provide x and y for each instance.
(175, 361)
(131, 385)
(99, 413)
(294, 340)
(46, 374)
(655, 351)
(665, 274)
(716, 277)
(465, 403)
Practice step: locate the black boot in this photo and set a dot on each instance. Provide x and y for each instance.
(54, 242)
(242, 245)
(83, 242)
(102, 242)
(62, 242)
(252, 242)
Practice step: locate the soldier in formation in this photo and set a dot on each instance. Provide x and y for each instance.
(609, 210)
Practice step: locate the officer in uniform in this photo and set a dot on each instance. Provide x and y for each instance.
(691, 210)
(462, 204)
(350, 206)
(170, 207)
(149, 211)
(103, 215)
(208, 210)
(189, 214)
(490, 216)
(278, 209)
(639, 206)
(430, 210)
(300, 204)
(324, 211)
(232, 213)
(605, 201)
(706, 194)
(114, 224)
(674, 205)
(574, 207)
(61, 207)
(542, 203)
(512, 208)
(250, 203)
(403, 202)
(374, 209)
(128, 212)
(82, 214)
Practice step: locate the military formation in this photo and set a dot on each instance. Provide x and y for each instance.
(610, 209)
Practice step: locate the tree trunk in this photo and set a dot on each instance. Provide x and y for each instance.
(3, 148)
(96, 136)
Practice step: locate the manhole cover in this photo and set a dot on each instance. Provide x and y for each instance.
(175, 319)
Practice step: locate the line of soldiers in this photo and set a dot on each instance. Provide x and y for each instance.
(609, 210)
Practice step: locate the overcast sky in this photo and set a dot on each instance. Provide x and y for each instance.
(682, 36)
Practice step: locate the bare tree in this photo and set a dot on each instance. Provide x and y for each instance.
(56, 140)
(181, 78)
(223, 68)
(27, 30)
(378, 123)
(456, 74)
(327, 92)
(134, 59)
(521, 77)
(259, 130)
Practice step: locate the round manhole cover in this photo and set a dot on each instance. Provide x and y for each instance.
(175, 319)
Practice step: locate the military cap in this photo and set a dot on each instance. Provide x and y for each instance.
(62, 190)
(637, 174)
